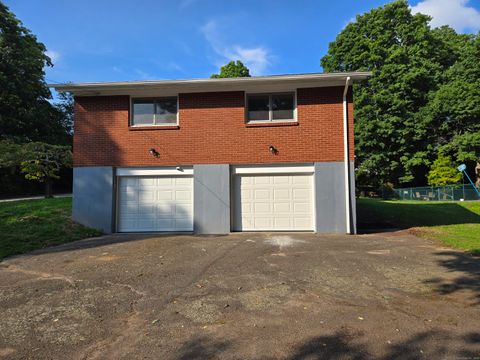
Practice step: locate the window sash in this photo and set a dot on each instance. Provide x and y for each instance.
(270, 108)
(156, 116)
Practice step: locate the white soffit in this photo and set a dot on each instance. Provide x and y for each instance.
(172, 87)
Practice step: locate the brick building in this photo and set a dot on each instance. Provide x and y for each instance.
(271, 153)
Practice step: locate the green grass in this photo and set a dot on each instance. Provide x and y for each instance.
(33, 224)
(456, 224)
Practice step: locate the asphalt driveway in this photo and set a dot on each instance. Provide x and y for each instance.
(242, 296)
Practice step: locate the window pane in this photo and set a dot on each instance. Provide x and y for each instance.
(166, 111)
(143, 113)
(258, 107)
(282, 107)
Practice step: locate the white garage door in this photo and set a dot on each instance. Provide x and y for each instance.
(274, 202)
(162, 203)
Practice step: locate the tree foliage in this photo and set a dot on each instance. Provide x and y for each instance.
(422, 98)
(37, 160)
(25, 112)
(443, 172)
(232, 70)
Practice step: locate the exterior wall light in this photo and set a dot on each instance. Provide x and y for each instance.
(272, 150)
(154, 152)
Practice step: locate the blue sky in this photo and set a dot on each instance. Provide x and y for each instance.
(113, 40)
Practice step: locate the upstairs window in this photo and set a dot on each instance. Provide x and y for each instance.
(271, 107)
(153, 112)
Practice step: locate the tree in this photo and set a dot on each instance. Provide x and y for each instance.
(42, 162)
(443, 172)
(25, 112)
(453, 112)
(232, 70)
(65, 108)
(38, 161)
(395, 142)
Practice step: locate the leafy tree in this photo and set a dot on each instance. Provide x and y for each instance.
(65, 108)
(394, 140)
(38, 161)
(25, 112)
(42, 162)
(453, 113)
(443, 172)
(232, 70)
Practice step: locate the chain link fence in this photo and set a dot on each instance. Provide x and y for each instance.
(438, 193)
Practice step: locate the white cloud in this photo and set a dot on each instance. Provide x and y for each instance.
(257, 59)
(53, 55)
(456, 13)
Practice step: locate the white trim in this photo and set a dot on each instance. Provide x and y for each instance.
(292, 169)
(346, 156)
(207, 85)
(163, 171)
(270, 111)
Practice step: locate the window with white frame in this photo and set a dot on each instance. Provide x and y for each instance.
(271, 107)
(158, 111)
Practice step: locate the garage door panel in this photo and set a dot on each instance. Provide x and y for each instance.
(129, 195)
(301, 180)
(302, 222)
(262, 208)
(273, 202)
(147, 210)
(281, 194)
(302, 208)
(182, 223)
(301, 194)
(129, 207)
(158, 203)
(261, 194)
(282, 207)
(283, 223)
(183, 181)
(266, 223)
(182, 210)
(128, 183)
(183, 195)
(163, 181)
(146, 195)
(261, 180)
(146, 182)
(282, 180)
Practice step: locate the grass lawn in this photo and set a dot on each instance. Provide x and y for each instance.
(33, 224)
(456, 224)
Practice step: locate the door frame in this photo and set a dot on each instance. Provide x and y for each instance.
(151, 172)
(272, 169)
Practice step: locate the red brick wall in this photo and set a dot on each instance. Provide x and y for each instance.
(212, 130)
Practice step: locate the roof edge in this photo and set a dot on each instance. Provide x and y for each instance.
(335, 76)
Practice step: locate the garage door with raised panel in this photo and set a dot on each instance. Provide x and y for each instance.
(162, 203)
(274, 202)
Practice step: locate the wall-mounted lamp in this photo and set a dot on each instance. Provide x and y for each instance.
(272, 150)
(154, 152)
